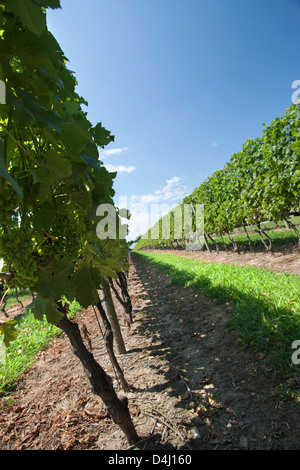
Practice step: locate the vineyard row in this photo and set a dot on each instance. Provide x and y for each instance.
(258, 184)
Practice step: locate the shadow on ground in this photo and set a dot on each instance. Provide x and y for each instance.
(226, 397)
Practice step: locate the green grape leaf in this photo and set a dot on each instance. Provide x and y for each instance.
(49, 119)
(49, 3)
(8, 329)
(102, 136)
(4, 172)
(28, 110)
(52, 314)
(55, 282)
(96, 276)
(60, 166)
(41, 307)
(30, 14)
(42, 286)
(44, 217)
(44, 176)
(90, 160)
(83, 199)
(74, 138)
(86, 293)
(61, 282)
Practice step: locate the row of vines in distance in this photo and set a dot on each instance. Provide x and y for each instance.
(259, 183)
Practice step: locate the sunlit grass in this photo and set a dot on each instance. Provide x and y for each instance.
(15, 297)
(265, 305)
(33, 336)
(278, 237)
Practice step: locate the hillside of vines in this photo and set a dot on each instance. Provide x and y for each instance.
(259, 184)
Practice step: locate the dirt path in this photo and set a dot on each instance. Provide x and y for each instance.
(191, 383)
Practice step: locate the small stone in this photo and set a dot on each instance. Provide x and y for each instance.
(243, 442)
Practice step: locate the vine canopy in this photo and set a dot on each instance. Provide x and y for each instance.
(51, 177)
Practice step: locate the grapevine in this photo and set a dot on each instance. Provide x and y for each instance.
(51, 182)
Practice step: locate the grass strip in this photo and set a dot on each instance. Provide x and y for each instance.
(265, 305)
(278, 233)
(278, 237)
(33, 336)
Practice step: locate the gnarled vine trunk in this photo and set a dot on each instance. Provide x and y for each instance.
(101, 383)
(124, 298)
(109, 340)
(261, 232)
(249, 239)
(290, 225)
(235, 246)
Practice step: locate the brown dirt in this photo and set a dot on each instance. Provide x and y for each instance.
(191, 383)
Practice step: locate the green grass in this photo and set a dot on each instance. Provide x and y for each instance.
(11, 298)
(271, 225)
(278, 237)
(33, 336)
(265, 305)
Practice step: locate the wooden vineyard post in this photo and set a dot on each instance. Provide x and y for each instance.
(107, 300)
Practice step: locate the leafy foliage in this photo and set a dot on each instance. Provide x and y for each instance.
(51, 177)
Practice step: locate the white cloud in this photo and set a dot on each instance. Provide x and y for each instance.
(147, 209)
(120, 168)
(173, 190)
(114, 153)
(138, 224)
(117, 151)
(215, 144)
(143, 218)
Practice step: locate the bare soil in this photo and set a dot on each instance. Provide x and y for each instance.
(193, 387)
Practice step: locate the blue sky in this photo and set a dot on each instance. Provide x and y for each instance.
(180, 83)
